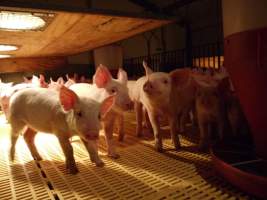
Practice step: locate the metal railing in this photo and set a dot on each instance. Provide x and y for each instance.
(208, 56)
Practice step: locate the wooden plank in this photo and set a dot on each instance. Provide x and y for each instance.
(76, 8)
(69, 33)
(31, 64)
(72, 33)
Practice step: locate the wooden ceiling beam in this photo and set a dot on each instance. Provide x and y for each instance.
(177, 4)
(28, 6)
(166, 11)
(147, 5)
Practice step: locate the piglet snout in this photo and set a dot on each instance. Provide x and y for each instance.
(147, 87)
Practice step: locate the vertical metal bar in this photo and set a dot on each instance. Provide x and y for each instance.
(219, 55)
(198, 53)
(214, 56)
(209, 56)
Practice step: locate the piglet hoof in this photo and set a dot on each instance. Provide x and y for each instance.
(114, 156)
(139, 135)
(158, 148)
(121, 137)
(100, 163)
(73, 170)
(92, 160)
(202, 148)
(177, 145)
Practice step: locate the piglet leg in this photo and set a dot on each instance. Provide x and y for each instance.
(174, 135)
(156, 129)
(204, 136)
(14, 138)
(120, 119)
(29, 136)
(220, 128)
(108, 130)
(184, 117)
(139, 118)
(147, 122)
(92, 149)
(68, 152)
(16, 128)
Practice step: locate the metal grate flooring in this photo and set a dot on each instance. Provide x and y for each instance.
(140, 173)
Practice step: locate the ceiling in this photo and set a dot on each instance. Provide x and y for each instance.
(73, 32)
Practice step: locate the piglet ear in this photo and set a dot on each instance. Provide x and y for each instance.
(60, 81)
(76, 77)
(51, 80)
(102, 76)
(41, 77)
(106, 105)
(147, 69)
(122, 76)
(35, 80)
(26, 80)
(42, 81)
(68, 98)
(82, 79)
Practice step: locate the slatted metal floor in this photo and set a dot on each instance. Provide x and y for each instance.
(140, 172)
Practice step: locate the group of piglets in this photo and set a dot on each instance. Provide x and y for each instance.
(77, 107)
(208, 98)
(66, 109)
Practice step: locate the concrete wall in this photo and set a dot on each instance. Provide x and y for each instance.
(137, 45)
(82, 58)
(204, 18)
(110, 56)
(246, 15)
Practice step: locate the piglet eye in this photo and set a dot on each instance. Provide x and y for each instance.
(99, 116)
(165, 81)
(79, 114)
(113, 90)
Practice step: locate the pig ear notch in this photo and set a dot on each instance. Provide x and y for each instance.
(68, 98)
(102, 76)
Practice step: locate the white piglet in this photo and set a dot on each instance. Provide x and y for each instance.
(62, 113)
(154, 92)
(103, 86)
